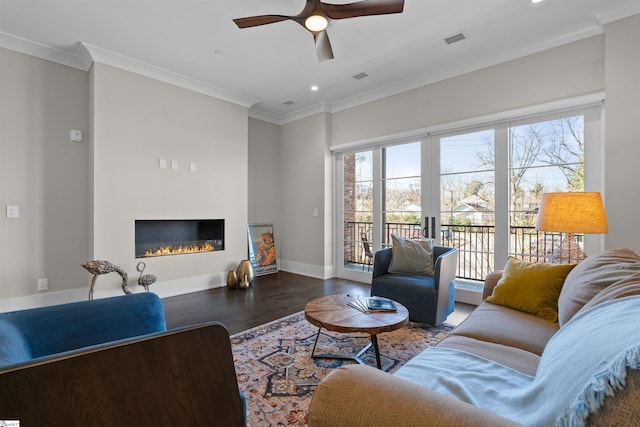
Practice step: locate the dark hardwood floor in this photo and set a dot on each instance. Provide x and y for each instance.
(271, 297)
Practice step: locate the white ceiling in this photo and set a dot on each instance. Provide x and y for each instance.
(194, 43)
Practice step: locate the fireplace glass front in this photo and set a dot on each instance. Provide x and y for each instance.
(162, 237)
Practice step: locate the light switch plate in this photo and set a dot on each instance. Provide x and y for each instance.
(76, 135)
(174, 165)
(162, 163)
(13, 212)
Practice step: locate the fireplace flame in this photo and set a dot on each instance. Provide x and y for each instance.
(179, 249)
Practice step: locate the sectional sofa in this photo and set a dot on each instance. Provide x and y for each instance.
(506, 366)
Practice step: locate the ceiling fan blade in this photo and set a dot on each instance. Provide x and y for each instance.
(254, 21)
(310, 7)
(363, 8)
(323, 46)
(329, 11)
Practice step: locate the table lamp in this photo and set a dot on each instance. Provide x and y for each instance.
(573, 212)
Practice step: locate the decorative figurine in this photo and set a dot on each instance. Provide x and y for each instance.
(99, 267)
(244, 283)
(245, 274)
(147, 279)
(232, 279)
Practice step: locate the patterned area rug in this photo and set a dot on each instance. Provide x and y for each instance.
(278, 376)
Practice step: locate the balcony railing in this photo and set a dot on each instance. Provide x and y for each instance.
(476, 244)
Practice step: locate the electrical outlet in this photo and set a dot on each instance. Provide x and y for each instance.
(43, 284)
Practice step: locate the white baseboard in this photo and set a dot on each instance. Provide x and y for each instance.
(468, 297)
(43, 299)
(169, 288)
(164, 289)
(361, 276)
(315, 271)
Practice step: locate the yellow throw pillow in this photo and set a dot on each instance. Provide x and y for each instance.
(531, 287)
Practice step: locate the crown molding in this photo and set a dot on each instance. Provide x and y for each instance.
(633, 8)
(261, 115)
(86, 54)
(78, 59)
(468, 65)
(116, 60)
(290, 117)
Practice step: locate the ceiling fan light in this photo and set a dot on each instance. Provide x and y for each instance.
(316, 23)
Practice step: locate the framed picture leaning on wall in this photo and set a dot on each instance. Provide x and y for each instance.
(262, 249)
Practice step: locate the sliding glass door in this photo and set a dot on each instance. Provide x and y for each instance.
(492, 181)
(382, 192)
(357, 201)
(477, 189)
(401, 191)
(468, 199)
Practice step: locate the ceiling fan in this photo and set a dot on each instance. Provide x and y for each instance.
(316, 15)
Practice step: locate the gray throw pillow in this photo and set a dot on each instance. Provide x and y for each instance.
(411, 256)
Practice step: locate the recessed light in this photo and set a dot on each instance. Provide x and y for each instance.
(314, 88)
(536, 1)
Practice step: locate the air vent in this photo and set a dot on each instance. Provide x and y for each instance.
(289, 102)
(455, 38)
(360, 76)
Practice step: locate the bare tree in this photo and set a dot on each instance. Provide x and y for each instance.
(525, 150)
(558, 143)
(566, 150)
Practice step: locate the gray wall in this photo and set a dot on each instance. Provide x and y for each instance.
(264, 173)
(78, 201)
(44, 173)
(566, 71)
(290, 178)
(305, 183)
(138, 120)
(622, 132)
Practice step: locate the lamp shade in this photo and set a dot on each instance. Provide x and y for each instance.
(579, 212)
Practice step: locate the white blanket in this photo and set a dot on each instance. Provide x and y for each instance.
(585, 360)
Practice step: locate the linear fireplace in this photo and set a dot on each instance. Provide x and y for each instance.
(162, 237)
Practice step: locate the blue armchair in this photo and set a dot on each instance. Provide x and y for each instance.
(429, 299)
(112, 360)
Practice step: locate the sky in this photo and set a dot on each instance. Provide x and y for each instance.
(460, 154)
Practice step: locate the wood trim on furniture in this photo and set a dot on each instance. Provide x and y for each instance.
(179, 377)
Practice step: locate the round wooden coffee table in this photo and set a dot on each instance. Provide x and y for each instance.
(332, 313)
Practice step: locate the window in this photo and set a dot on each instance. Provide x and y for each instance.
(478, 189)
(545, 156)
